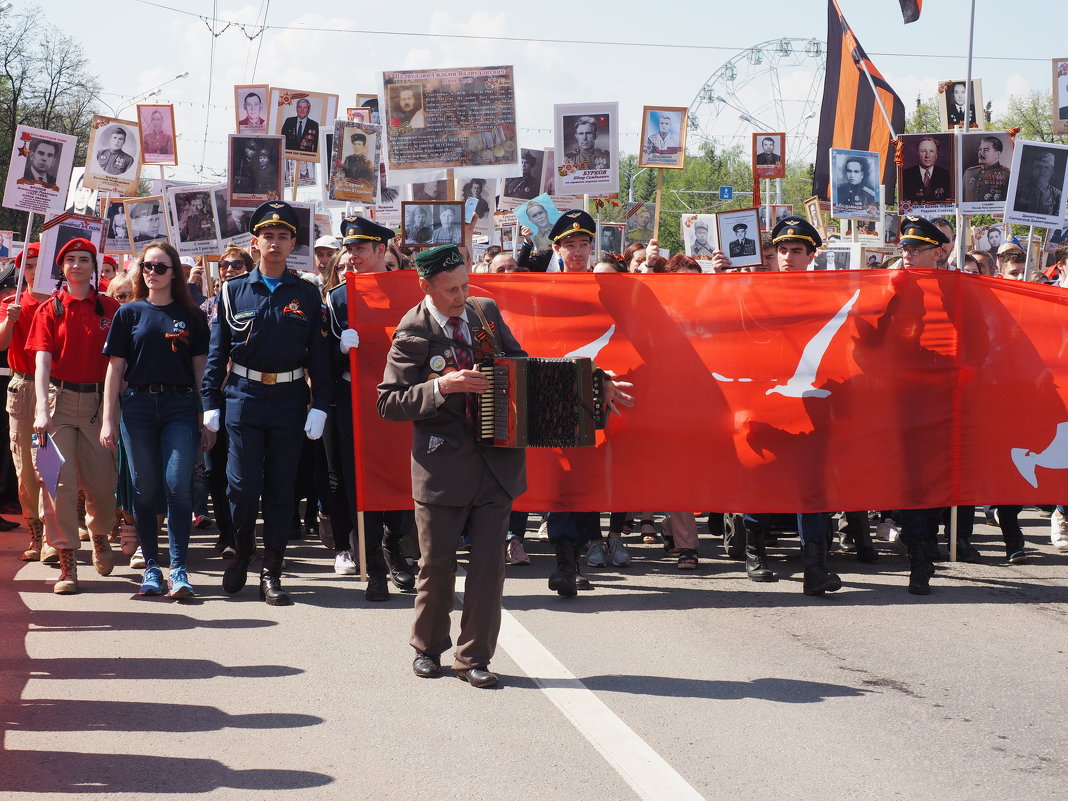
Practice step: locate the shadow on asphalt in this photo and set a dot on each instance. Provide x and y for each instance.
(787, 691)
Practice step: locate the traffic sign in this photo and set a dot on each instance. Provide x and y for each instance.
(726, 193)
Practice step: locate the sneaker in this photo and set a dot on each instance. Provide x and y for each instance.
(597, 555)
(152, 583)
(137, 561)
(343, 564)
(1058, 531)
(514, 553)
(179, 581)
(1018, 558)
(887, 530)
(202, 521)
(543, 531)
(617, 552)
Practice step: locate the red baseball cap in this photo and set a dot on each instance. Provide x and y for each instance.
(76, 244)
(34, 249)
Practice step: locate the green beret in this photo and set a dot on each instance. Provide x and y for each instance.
(429, 263)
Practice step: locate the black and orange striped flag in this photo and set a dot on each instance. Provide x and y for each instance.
(850, 116)
(910, 9)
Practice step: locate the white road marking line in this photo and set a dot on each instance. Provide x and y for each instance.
(647, 773)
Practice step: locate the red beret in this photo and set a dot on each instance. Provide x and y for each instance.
(111, 260)
(76, 244)
(34, 249)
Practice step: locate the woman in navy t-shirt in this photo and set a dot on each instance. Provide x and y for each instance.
(158, 347)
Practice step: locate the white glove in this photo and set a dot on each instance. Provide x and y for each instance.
(349, 340)
(315, 423)
(211, 419)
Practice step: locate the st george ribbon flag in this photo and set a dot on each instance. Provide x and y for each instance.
(850, 114)
(910, 10)
(764, 392)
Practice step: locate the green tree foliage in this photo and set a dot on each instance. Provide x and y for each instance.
(1033, 115)
(44, 83)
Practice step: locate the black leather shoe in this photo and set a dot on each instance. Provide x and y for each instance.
(377, 587)
(399, 573)
(478, 677)
(235, 575)
(426, 666)
(271, 589)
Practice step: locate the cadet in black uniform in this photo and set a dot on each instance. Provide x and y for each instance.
(366, 240)
(270, 331)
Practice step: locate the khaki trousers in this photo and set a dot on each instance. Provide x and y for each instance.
(76, 422)
(21, 404)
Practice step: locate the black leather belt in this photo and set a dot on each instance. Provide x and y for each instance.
(161, 389)
(75, 387)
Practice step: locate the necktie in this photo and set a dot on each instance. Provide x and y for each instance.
(300, 129)
(465, 360)
(927, 176)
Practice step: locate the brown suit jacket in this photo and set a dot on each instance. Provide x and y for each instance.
(446, 471)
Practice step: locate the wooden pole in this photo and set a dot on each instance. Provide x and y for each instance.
(25, 245)
(656, 212)
(296, 180)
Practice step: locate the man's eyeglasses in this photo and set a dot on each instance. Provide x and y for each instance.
(914, 249)
(157, 267)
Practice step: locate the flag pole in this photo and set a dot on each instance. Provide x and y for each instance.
(357, 433)
(878, 100)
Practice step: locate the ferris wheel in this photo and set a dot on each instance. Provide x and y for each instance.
(773, 86)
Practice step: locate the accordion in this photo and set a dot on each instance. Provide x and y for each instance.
(540, 403)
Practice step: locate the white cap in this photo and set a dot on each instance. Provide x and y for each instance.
(327, 242)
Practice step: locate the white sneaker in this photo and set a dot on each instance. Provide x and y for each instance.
(343, 564)
(543, 531)
(597, 555)
(137, 561)
(515, 553)
(887, 530)
(617, 552)
(1058, 531)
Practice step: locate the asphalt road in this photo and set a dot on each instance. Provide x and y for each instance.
(657, 684)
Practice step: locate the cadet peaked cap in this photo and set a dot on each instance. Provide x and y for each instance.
(360, 229)
(917, 229)
(443, 258)
(571, 222)
(798, 228)
(274, 212)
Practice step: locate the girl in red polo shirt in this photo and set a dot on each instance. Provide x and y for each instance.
(68, 335)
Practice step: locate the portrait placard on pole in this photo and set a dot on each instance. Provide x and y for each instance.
(587, 134)
(39, 170)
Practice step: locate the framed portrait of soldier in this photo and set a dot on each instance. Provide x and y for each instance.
(984, 161)
(610, 238)
(430, 191)
(1060, 96)
(769, 155)
(663, 137)
(927, 175)
(527, 185)
(39, 170)
(113, 158)
(739, 236)
(158, 141)
(354, 165)
(889, 233)
(778, 211)
(146, 220)
(255, 169)
(538, 216)
(195, 229)
(640, 218)
(1038, 184)
(989, 238)
(855, 184)
(117, 239)
(296, 115)
(700, 236)
(231, 222)
(477, 195)
(80, 198)
(586, 146)
(814, 214)
(1056, 238)
(955, 109)
(250, 108)
(60, 228)
(428, 223)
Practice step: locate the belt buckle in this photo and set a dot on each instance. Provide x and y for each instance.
(268, 378)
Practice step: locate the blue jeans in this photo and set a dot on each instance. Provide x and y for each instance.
(161, 436)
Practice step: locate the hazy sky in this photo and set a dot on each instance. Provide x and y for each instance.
(341, 47)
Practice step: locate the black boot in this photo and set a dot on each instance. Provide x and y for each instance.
(921, 568)
(377, 586)
(397, 566)
(966, 552)
(817, 579)
(236, 573)
(271, 580)
(866, 552)
(563, 579)
(756, 560)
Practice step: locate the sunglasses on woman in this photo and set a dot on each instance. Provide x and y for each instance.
(157, 267)
(232, 265)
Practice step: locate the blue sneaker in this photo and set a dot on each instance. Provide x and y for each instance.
(152, 583)
(180, 586)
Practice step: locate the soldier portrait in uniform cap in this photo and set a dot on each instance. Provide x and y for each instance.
(739, 229)
(1038, 184)
(586, 144)
(354, 162)
(855, 184)
(157, 134)
(699, 236)
(113, 157)
(527, 185)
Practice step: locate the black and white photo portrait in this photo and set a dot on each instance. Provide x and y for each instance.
(527, 185)
(985, 159)
(256, 172)
(952, 99)
(739, 235)
(926, 176)
(609, 238)
(145, 220)
(1038, 184)
(581, 146)
(699, 236)
(586, 148)
(768, 155)
(113, 160)
(431, 223)
(431, 190)
(855, 182)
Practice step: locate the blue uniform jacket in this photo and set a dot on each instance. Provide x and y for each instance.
(272, 332)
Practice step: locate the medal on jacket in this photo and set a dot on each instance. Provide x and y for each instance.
(437, 363)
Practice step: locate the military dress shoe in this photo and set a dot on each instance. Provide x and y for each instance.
(426, 666)
(479, 677)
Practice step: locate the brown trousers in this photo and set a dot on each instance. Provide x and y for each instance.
(439, 529)
(21, 405)
(76, 422)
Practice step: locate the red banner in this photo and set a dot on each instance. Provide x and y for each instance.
(819, 391)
